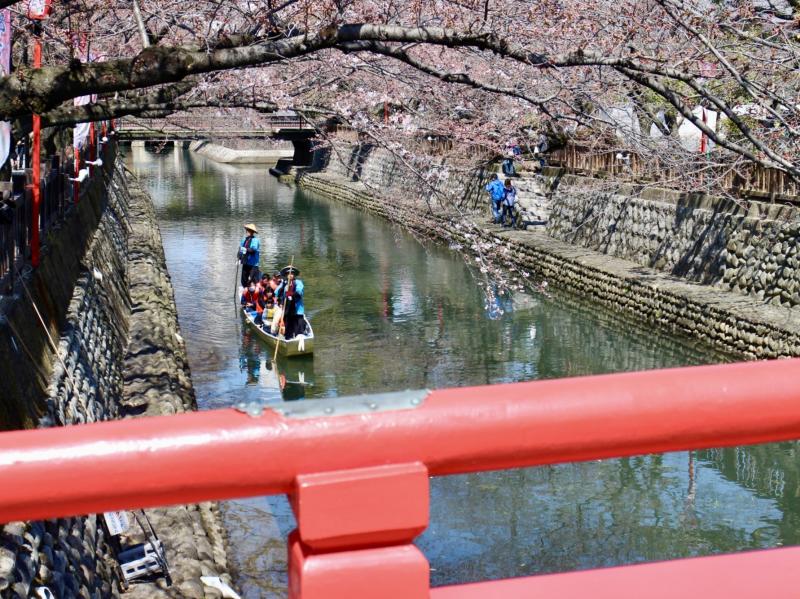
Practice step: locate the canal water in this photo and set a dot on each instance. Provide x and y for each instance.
(391, 314)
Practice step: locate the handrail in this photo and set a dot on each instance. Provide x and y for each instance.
(770, 573)
(224, 453)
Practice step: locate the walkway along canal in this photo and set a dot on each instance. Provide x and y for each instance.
(391, 314)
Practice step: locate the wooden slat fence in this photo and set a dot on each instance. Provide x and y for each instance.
(751, 180)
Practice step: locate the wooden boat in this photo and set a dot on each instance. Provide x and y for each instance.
(301, 345)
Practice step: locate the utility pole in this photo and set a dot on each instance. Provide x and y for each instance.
(38, 10)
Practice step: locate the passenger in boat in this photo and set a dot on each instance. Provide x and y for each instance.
(252, 301)
(275, 281)
(266, 294)
(291, 291)
(248, 253)
(265, 299)
(268, 287)
(277, 312)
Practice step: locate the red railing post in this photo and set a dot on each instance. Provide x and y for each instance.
(36, 159)
(76, 186)
(92, 146)
(354, 534)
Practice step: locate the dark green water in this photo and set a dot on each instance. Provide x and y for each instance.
(390, 314)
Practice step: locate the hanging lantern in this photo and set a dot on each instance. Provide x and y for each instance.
(39, 9)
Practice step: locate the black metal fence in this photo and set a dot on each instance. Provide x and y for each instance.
(57, 198)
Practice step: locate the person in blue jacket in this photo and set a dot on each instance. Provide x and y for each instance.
(496, 193)
(291, 291)
(248, 253)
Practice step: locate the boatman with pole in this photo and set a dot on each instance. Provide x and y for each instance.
(248, 253)
(290, 293)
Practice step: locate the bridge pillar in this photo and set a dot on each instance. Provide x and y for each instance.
(302, 152)
(354, 534)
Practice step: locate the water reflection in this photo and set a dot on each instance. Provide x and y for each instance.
(278, 378)
(577, 516)
(250, 357)
(390, 314)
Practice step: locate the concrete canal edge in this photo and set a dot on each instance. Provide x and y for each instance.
(158, 382)
(218, 152)
(730, 322)
(105, 295)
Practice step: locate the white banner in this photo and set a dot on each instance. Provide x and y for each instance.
(80, 133)
(82, 100)
(117, 522)
(5, 68)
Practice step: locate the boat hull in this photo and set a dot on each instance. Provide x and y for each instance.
(302, 345)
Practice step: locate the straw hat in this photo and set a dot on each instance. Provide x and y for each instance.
(251, 227)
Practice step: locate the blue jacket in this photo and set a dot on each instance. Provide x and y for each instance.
(252, 257)
(495, 188)
(298, 296)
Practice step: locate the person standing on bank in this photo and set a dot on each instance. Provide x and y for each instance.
(291, 291)
(496, 195)
(509, 203)
(248, 252)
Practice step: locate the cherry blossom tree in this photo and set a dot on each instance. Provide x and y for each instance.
(621, 76)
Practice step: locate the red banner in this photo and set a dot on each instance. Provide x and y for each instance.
(5, 68)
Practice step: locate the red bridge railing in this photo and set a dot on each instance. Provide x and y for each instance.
(358, 482)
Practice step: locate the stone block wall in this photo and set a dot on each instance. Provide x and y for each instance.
(746, 247)
(389, 174)
(26, 354)
(712, 317)
(157, 382)
(86, 383)
(71, 556)
(67, 556)
(119, 354)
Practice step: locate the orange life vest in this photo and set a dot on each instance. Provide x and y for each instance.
(253, 298)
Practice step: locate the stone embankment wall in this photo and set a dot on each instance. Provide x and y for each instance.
(727, 321)
(86, 382)
(394, 176)
(157, 382)
(118, 349)
(82, 385)
(68, 256)
(746, 247)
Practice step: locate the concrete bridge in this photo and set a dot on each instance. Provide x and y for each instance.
(191, 126)
(206, 125)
